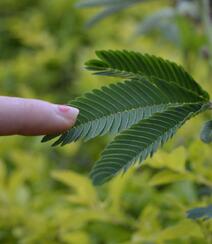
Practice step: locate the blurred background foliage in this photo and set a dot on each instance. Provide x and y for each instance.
(46, 195)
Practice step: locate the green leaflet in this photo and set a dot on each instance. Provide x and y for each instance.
(141, 141)
(129, 64)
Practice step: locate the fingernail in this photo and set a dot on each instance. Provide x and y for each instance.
(68, 112)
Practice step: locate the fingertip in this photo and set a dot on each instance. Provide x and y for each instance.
(34, 117)
(67, 114)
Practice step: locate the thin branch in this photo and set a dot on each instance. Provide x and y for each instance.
(208, 27)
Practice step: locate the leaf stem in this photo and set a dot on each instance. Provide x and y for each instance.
(208, 29)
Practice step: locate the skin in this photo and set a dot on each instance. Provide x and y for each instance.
(31, 117)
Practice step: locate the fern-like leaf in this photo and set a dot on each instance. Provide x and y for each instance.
(129, 64)
(141, 141)
(119, 106)
(147, 109)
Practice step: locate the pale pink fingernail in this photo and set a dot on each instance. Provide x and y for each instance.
(63, 108)
(68, 112)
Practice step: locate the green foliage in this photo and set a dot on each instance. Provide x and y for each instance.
(170, 22)
(45, 194)
(36, 38)
(111, 7)
(158, 99)
(197, 213)
(163, 20)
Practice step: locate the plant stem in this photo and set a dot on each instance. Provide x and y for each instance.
(206, 18)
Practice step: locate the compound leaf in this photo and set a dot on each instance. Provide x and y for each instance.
(146, 109)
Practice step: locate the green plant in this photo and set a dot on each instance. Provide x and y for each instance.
(174, 21)
(42, 46)
(155, 100)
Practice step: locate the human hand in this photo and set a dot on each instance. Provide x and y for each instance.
(19, 116)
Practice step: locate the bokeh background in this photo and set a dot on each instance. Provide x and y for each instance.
(46, 195)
